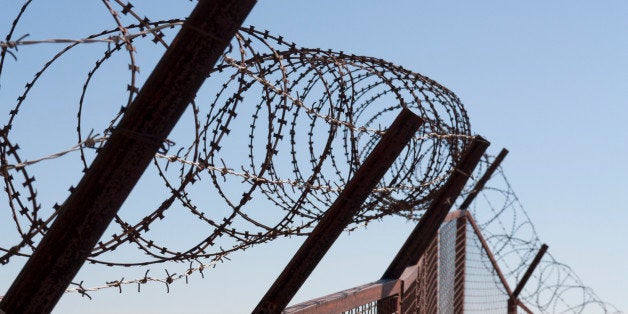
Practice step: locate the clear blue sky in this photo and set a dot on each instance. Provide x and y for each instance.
(547, 80)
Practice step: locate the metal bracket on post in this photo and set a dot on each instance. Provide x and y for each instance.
(513, 301)
(87, 212)
(340, 214)
(427, 228)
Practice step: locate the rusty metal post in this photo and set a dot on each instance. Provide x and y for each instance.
(430, 222)
(521, 306)
(485, 177)
(488, 252)
(512, 306)
(388, 305)
(430, 291)
(402, 293)
(528, 273)
(340, 214)
(513, 301)
(460, 264)
(87, 212)
(461, 236)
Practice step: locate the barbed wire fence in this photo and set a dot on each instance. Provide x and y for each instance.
(509, 231)
(271, 144)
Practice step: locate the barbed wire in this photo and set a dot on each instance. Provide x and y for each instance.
(273, 140)
(14, 44)
(309, 116)
(509, 231)
(167, 280)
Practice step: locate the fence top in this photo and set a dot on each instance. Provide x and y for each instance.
(347, 299)
(351, 298)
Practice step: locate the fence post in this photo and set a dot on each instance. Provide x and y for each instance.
(460, 264)
(512, 302)
(341, 213)
(479, 185)
(431, 279)
(427, 228)
(512, 306)
(461, 232)
(478, 234)
(399, 304)
(87, 212)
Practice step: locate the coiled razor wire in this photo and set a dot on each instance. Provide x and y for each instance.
(554, 287)
(267, 147)
(269, 151)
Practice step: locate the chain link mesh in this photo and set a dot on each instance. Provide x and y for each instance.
(484, 292)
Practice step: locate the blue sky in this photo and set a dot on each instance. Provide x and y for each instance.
(547, 80)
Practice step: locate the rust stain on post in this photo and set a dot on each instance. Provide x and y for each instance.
(85, 215)
(340, 214)
(430, 222)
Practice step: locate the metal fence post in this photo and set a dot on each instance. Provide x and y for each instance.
(512, 302)
(460, 264)
(430, 291)
(512, 306)
(479, 185)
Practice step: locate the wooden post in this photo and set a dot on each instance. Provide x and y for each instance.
(430, 222)
(88, 211)
(340, 214)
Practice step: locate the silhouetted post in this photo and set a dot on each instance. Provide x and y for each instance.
(512, 302)
(461, 237)
(459, 280)
(340, 214)
(479, 185)
(427, 228)
(87, 212)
